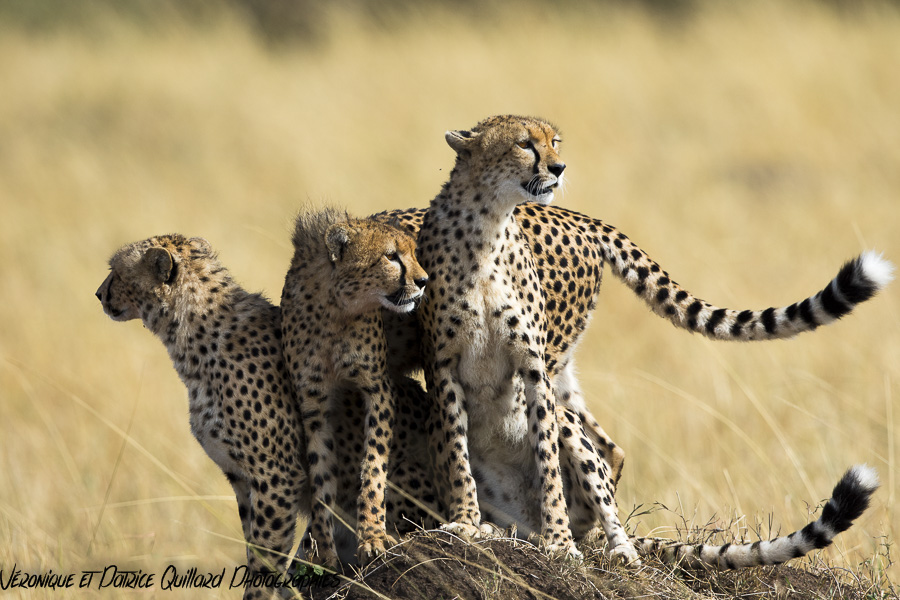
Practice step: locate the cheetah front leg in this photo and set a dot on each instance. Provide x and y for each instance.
(449, 448)
(588, 444)
(318, 545)
(540, 407)
(593, 486)
(371, 526)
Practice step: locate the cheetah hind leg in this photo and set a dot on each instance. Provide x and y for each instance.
(592, 489)
(569, 395)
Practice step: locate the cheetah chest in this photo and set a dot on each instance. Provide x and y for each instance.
(497, 330)
(210, 429)
(351, 350)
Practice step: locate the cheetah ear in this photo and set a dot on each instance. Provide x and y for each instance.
(337, 238)
(461, 141)
(201, 244)
(394, 222)
(161, 264)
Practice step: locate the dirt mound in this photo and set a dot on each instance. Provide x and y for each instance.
(436, 565)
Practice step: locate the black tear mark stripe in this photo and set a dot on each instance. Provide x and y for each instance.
(537, 158)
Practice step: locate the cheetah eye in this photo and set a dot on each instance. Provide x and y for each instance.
(555, 142)
(392, 256)
(523, 145)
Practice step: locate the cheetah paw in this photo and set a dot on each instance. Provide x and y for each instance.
(567, 550)
(594, 537)
(489, 530)
(372, 548)
(468, 531)
(625, 555)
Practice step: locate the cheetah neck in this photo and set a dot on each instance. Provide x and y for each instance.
(209, 301)
(478, 219)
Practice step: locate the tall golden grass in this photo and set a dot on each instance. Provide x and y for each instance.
(750, 149)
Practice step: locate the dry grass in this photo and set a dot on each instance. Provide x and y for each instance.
(435, 564)
(750, 150)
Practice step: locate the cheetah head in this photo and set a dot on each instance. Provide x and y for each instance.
(143, 276)
(518, 156)
(374, 266)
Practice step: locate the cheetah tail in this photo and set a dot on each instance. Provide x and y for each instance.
(857, 281)
(849, 500)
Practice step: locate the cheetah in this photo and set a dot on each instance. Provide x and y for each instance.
(485, 328)
(225, 344)
(522, 289)
(342, 273)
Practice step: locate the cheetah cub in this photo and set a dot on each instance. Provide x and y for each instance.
(344, 271)
(225, 344)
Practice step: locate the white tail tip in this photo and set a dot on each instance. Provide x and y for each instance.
(876, 268)
(866, 476)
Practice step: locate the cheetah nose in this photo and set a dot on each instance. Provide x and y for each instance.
(421, 281)
(557, 168)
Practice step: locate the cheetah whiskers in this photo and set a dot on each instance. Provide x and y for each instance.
(562, 183)
(534, 185)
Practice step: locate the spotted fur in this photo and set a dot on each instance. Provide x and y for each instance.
(225, 344)
(566, 251)
(849, 499)
(343, 271)
(571, 250)
(410, 497)
(485, 326)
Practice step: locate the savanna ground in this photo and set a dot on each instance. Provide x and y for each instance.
(749, 148)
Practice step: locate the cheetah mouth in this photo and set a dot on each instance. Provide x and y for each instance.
(114, 314)
(533, 188)
(401, 302)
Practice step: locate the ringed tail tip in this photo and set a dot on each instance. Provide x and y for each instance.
(876, 268)
(863, 477)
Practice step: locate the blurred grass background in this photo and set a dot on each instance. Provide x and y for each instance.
(750, 148)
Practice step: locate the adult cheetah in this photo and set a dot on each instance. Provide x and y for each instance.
(342, 273)
(225, 344)
(500, 283)
(485, 328)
